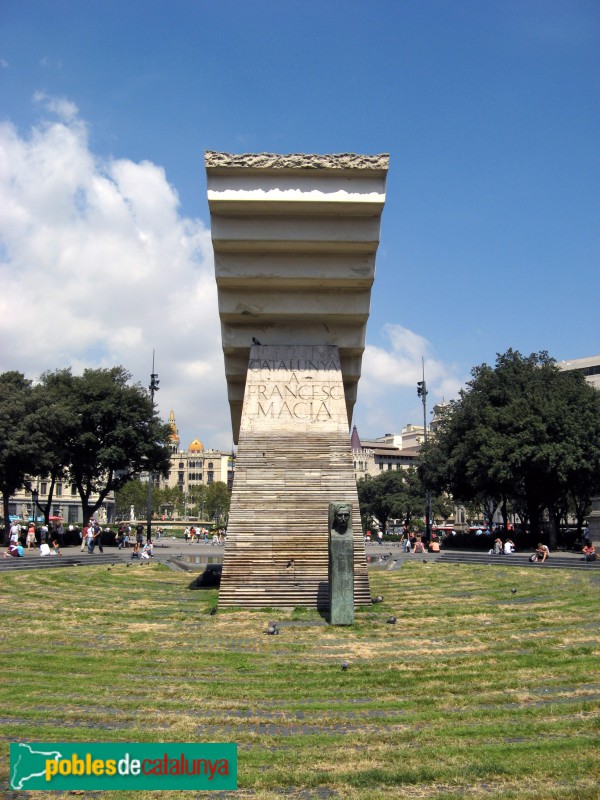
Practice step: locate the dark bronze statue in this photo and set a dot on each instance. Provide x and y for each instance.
(342, 514)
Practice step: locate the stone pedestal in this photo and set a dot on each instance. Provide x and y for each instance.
(341, 565)
(294, 459)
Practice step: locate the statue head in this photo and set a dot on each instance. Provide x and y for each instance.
(342, 514)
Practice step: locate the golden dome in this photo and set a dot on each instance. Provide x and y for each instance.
(196, 446)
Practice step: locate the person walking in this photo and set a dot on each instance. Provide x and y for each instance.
(15, 530)
(30, 536)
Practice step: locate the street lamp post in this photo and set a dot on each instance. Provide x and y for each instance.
(422, 393)
(34, 501)
(153, 388)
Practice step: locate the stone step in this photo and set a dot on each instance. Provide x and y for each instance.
(35, 561)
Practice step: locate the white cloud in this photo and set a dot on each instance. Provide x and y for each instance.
(98, 267)
(387, 390)
(63, 108)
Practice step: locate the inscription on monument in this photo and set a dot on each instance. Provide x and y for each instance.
(282, 389)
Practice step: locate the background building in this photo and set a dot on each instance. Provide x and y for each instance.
(196, 466)
(65, 503)
(589, 366)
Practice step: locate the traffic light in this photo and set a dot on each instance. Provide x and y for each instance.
(421, 389)
(154, 383)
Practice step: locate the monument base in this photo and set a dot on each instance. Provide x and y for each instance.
(294, 458)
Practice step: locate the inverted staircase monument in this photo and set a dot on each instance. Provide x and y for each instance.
(295, 238)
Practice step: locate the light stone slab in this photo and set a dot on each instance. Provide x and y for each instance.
(295, 238)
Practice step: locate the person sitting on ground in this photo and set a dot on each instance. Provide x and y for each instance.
(589, 552)
(56, 548)
(147, 549)
(541, 553)
(135, 552)
(434, 545)
(14, 550)
(509, 547)
(419, 546)
(498, 546)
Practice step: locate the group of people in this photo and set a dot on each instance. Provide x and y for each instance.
(91, 536)
(16, 550)
(193, 534)
(143, 551)
(411, 542)
(502, 548)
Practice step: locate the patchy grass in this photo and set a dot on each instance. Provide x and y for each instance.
(476, 692)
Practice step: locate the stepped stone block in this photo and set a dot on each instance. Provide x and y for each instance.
(295, 238)
(294, 459)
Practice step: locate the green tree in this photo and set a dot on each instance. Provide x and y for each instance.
(197, 496)
(394, 494)
(20, 442)
(54, 424)
(116, 434)
(217, 501)
(134, 493)
(523, 432)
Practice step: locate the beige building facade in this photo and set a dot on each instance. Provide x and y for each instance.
(589, 366)
(196, 466)
(66, 503)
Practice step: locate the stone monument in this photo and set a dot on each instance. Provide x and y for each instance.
(295, 238)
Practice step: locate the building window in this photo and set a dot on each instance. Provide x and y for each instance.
(210, 476)
(59, 489)
(380, 467)
(73, 494)
(181, 465)
(180, 477)
(44, 488)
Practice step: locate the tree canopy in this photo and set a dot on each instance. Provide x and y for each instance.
(19, 440)
(115, 434)
(97, 430)
(395, 494)
(523, 431)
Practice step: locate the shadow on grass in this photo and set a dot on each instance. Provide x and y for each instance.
(209, 579)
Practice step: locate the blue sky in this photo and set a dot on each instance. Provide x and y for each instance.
(490, 236)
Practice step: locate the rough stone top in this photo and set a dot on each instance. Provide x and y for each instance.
(308, 161)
